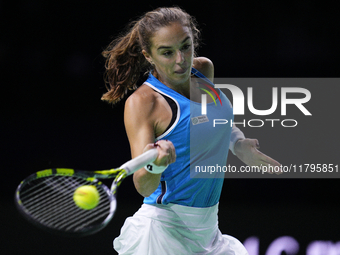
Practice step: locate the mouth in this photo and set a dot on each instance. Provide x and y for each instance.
(181, 71)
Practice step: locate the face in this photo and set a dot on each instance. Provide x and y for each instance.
(172, 54)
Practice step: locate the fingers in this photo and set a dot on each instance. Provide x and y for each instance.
(166, 152)
(149, 147)
(271, 164)
(250, 155)
(272, 167)
(269, 161)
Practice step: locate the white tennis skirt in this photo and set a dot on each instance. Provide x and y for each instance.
(175, 230)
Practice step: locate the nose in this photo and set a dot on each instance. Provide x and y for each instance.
(180, 57)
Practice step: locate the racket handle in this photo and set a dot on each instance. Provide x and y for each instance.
(138, 162)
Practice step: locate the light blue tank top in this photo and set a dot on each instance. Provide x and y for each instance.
(197, 144)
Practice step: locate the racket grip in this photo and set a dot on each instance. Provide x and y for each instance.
(139, 162)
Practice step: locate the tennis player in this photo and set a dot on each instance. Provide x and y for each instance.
(179, 213)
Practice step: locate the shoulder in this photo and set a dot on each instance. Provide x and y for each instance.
(205, 66)
(144, 114)
(142, 101)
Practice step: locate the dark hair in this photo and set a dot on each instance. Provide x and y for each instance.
(124, 58)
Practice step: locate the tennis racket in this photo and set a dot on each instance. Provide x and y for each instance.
(45, 198)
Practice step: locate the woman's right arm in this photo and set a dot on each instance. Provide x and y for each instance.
(140, 118)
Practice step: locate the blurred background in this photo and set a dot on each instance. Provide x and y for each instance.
(52, 115)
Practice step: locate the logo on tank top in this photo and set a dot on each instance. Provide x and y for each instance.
(203, 118)
(204, 97)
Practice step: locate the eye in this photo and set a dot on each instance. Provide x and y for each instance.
(167, 53)
(186, 47)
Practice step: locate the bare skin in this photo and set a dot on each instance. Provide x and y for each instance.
(147, 114)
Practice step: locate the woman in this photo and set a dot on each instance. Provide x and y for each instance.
(179, 214)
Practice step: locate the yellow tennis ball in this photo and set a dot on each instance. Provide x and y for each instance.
(86, 197)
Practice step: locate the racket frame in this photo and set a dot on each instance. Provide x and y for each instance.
(119, 174)
(86, 175)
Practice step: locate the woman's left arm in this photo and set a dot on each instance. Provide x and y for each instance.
(247, 151)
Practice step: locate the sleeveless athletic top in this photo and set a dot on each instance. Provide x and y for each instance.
(199, 145)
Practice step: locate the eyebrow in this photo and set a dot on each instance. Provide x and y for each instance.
(168, 47)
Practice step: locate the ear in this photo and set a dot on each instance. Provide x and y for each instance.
(147, 56)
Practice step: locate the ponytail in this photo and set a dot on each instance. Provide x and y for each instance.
(124, 62)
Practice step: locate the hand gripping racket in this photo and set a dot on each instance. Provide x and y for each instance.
(46, 197)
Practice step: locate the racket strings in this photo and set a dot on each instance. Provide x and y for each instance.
(87, 219)
(77, 218)
(50, 202)
(56, 201)
(77, 213)
(42, 194)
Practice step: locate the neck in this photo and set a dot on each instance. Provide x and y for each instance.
(182, 88)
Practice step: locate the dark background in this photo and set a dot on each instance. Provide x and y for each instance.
(52, 115)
